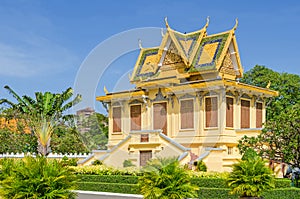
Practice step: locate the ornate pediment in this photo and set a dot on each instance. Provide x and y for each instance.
(172, 56)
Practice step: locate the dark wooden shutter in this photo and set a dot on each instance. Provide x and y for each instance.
(160, 116)
(258, 115)
(187, 114)
(211, 111)
(135, 117)
(245, 114)
(229, 112)
(117, 119)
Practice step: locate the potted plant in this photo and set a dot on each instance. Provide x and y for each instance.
(250, 178)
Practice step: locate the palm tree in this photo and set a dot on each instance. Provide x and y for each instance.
(43, 113)
(164, 178)
(250, 178)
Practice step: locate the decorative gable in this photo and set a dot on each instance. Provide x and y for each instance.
(172, 56)
(209, 52)
(227, 66)
(147, 64)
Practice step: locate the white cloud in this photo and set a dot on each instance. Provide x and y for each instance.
(35, 56)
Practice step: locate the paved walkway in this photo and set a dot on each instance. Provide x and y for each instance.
(105, 195)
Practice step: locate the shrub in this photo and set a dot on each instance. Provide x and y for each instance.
(201, 166)
(97, 162)
(250, 178)
(105, 170)
(69, 161)
(36, 178)
(165, 178)
(249, 154)
(201, 174)
(128, 163)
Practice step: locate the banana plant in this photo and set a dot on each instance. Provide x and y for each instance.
(44, 113)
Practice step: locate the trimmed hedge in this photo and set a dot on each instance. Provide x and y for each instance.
(215, 193)
(108, 179)
(204, 193)
(221, 183)
(282, 183)
(209, 182)
(212, 188)
(287, 193)
(108, 187)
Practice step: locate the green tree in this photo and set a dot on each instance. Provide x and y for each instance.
(96, 137)
(15, 142)
(280, 138)
(288, 86)
(36, 178)
(44, 113)
(164, 178)
(250, 177)
(67, 139)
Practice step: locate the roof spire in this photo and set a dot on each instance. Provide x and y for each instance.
(105, 90)
(207, 22)
(140, 44)
(166, 21)
(236, 24)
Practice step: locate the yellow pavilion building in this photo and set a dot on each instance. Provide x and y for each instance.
(187, 103)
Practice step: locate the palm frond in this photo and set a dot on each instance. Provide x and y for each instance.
(6, 101)
(75, 101)
(14, 94)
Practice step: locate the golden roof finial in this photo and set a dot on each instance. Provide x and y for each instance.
(105, 90)
(166, 21)
(207, 22)
(140, 44)
(269, 84)
(236, 24)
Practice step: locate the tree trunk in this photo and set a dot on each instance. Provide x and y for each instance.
(44, 150)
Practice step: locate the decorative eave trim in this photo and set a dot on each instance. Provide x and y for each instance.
(121, 95)
(266, 92)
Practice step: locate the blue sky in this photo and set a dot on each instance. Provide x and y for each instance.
(44, 43)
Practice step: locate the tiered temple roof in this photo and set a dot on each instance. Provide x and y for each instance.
(186, 55)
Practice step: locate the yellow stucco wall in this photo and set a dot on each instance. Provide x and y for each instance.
(197, 138)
